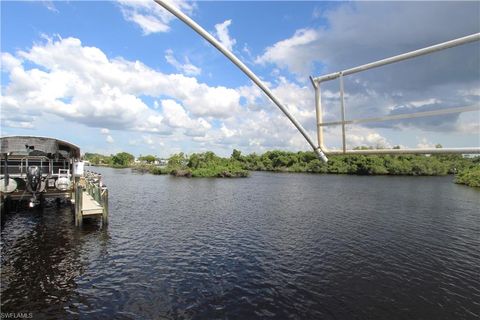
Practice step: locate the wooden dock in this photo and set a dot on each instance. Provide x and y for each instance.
(90, 206)
(91, 199)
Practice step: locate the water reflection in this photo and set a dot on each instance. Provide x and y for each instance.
(270, 246)
(41, 259)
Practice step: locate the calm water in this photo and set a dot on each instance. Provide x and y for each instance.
(283, 246)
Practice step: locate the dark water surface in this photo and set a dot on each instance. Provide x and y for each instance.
(283, 246)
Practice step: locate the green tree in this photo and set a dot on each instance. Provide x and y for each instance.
(122, 159)
(237, 155)
(97, 159)
(177, 160)
(469, 177)
(148, 159)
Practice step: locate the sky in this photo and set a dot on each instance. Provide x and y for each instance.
(122, 75)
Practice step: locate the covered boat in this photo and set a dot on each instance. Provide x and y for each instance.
(35, 168)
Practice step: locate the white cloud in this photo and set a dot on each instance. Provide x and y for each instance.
(109, 139)
(17, 124)
(470, 127)
(9, 62)
(187, 68)
(227, 132)
(317, 13)
(82, 84)
(470, 92)
(150, 16)
(299, 100)
(425, 102)
(148, 139)
(176, 117)
(148, 23)
(357, 137)
(251, 93)
(246, 50)
(221, 31)
(292, 53)
(352, 34)
(50, 6)
(425, 144)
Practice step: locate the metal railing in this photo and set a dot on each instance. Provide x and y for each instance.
(320, 149)
(316, 82)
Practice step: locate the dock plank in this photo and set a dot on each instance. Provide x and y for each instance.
(90, 206)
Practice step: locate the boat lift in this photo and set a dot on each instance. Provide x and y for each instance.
(319, 148)
(316, 82)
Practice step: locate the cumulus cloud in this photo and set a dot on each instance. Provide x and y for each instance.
(12, 115)
(177, 117)
(353, 37)
(9, 62)
(222, 33)
(150, 16)
(109, 139)
(82, 84)
(358, 137)
(186, 68)
(293, 53)
(425, 144)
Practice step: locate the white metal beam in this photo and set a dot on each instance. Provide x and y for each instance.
(207, 36)
(407, 151)
(400, 57)
(316, 82)
(403, 116)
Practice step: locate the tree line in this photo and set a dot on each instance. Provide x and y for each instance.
(119, 160)
(208, 164)
(307, 161)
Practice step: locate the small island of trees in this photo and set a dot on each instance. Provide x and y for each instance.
(208, 164)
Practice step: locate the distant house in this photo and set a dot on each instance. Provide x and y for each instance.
(157, 161)
(161, 162)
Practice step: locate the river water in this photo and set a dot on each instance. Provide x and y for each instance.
(281, 246)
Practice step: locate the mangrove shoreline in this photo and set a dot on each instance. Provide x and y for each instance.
(208, 164)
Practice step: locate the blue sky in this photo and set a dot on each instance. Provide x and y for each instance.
(121, 75)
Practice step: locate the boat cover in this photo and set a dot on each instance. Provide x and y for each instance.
(38, 146)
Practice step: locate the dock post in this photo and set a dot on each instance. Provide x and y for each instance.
(75, 196)
(105, 209)
(98, 194)
(78, 206)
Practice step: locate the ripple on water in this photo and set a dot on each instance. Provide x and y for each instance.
(270, 246)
